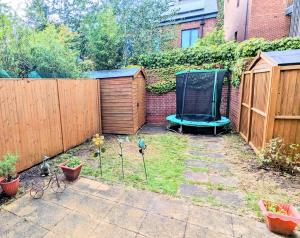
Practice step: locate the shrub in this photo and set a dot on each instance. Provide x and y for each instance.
(281, 157)
(73, 162)
(8, 166)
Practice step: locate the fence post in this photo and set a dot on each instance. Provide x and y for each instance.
(59, 109)
(250, 105)
(271, 105)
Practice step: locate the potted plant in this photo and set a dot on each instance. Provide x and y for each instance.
(9, 180)
(71, 168)
(280, 218)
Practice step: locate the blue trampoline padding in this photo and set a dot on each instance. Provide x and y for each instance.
(223, 122)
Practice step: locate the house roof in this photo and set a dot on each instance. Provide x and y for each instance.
(115, 73)
(279, 58)
(192, 10)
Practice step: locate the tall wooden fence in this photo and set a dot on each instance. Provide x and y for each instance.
(47, 116)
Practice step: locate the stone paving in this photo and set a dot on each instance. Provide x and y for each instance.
(88, 208)
(208, 176)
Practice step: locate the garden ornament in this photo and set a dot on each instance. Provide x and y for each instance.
(143, 146)
(45, 167)
(98, 141)
(120, 141)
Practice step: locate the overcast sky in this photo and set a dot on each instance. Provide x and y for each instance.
(17, 5)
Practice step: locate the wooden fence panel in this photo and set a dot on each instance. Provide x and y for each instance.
(46, 117)
(30, 120)
(80, 110)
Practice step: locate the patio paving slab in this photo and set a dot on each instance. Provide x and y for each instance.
(189, 190)
(200, 177)
(159, 226)
(56, 216)
(106, 230)
(226, 180)
(172, 208)
(126, 217)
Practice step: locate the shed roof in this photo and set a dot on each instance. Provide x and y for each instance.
(115, 73)
(192, 10)
(278, 58)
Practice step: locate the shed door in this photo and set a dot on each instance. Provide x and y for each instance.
(141, 97)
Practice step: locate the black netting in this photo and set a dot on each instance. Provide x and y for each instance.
(198, 95)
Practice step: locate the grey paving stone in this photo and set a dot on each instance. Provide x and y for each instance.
(196, 177)
(197, 163)
(158, 226)
(244, 227)
(212, 219)
(136, 198)
(126, 217)
(188, 190)
(228, 198)
(106, 230)
(207, 154)
(24, 229)
(75, 225)
(218, 166)
(173, 208)
(193, 231)
(38, 211)
(219, 179)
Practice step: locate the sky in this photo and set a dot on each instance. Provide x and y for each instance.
(17, 5)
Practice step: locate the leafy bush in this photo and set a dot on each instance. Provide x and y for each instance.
(73, 162)
(8, 166)
(51, 51)
(280, 156)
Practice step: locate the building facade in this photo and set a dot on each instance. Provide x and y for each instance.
(193, 19)
(245, 19)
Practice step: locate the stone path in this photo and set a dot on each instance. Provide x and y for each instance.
(207, 175)
(92, 209)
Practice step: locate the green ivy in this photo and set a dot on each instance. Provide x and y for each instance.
(167, 76)
(209, 52)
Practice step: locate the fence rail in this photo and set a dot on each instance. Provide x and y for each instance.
(47, 116)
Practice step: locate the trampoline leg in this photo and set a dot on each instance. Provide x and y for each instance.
(180, 129)
(215, 130)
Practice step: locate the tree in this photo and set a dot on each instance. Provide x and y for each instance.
(139, 22)
(103, 39)
(67, 12)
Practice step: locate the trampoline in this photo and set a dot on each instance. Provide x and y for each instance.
(198, 99)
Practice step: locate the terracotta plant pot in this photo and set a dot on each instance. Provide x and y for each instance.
(282, 224)
(71, 173)
(10, 188)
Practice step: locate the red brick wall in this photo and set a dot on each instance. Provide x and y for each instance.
(160, 106)
(234, 106)
(209, 25)
(266, 19)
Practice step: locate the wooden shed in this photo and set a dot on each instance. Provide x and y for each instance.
(270, 99)
(123, 99)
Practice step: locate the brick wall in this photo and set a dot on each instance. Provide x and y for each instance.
(160, 106)
(266, 19)
(209, 25)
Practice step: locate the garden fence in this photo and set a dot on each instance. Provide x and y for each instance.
(47, 116)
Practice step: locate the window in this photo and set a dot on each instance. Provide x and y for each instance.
(189, 37)
(235, 36)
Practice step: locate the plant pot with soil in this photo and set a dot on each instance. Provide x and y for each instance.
(9, 181)
(71, 168)
(280, 218)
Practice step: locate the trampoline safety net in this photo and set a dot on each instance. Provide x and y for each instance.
(198, 95)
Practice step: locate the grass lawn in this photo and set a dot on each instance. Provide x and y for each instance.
(164, 156)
